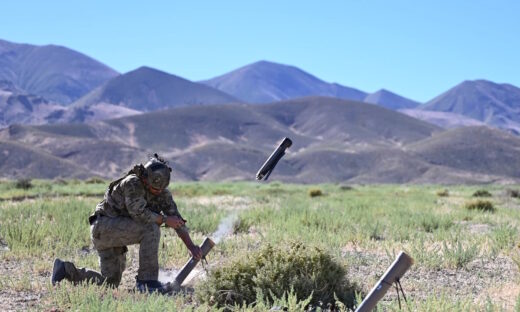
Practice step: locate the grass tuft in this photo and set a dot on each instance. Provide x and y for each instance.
(482, 193)
(480, 205)
(346, 187)
(95, 180)
(443, 193)
(23, 184)
(315, 192)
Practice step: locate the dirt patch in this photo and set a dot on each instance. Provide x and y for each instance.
(11, 300)
(505, 293)
(20, 289)
(480, 277)
(475, 228)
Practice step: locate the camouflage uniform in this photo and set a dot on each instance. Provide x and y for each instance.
(126, 216)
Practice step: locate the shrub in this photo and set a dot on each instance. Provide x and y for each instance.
(95, 180)
(315, 192)
(272, 272)
(346, 187)
(481, 205)
(482, 193)
(443, 193)
(24, 184)
(513, 193)
(60, 181)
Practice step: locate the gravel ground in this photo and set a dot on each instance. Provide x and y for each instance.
(481, 279)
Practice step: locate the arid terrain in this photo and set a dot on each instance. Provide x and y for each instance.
(464, 259)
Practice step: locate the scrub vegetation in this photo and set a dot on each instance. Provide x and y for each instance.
(465, 259)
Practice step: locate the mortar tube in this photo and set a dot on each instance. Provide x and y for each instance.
(205, 248)
(393, 274)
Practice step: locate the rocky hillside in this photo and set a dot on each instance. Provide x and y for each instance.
(334, 141)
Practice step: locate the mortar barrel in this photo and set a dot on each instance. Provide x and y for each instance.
(394, 273)
(205, 248)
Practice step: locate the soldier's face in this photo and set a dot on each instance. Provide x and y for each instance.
(158, 181)
(154, 191)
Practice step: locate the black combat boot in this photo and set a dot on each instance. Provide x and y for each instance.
(58, 271)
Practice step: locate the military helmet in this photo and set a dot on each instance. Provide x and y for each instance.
(157, 173)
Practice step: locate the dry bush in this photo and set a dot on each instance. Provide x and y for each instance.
(95, 180)
(443, 193)
(315, 192)
(24, 184)
(275, 271)
(482, 193)
(480, 205)
(346, 187)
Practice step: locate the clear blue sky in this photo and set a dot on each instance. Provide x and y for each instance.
(415, 48)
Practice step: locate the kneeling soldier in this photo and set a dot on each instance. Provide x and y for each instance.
(131, 212)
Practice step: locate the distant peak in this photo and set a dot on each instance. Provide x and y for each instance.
(147, 70)
(264, 63)
(382, 91)
(477, 81)
(480, 83)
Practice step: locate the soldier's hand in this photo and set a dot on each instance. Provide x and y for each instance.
(174, 222)
(196, 252)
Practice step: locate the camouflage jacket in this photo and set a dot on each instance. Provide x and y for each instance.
(129, 198)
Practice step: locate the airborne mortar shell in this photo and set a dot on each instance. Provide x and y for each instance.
(271, 162)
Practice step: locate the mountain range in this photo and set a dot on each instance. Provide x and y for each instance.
(79, 118)
(56, 73)
(265, 82)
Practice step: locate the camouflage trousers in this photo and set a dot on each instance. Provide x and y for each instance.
(110, 237)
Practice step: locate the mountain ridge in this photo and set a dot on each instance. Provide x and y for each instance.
(494, 104)
(390, 100)
(264, 82)
(147, 89)
(55, 72)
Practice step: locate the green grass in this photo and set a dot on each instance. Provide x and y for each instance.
(42, 188)
(362, 227)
